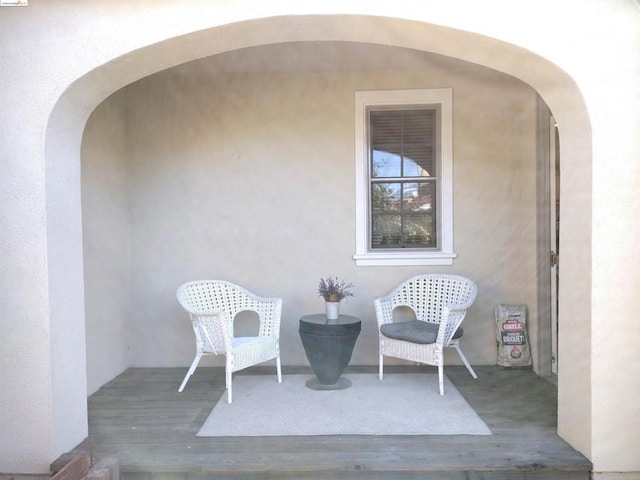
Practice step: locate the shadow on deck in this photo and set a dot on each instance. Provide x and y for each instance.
(140, 418)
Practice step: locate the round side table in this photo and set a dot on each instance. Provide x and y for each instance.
(328, 345)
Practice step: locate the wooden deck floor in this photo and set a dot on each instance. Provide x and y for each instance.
(141, 418)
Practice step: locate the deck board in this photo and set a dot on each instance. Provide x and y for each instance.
(142, 419)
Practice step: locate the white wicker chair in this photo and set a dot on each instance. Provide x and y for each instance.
(212, 306)
(439, 300)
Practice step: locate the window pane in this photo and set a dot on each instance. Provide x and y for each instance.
(386, 231)
(385, 164)
(418, 125)
(402, 215)
(403, 143)
(385, 197)
(418, 161)
(418, 140)
(386, 127)
(418, 197)
(418, 230)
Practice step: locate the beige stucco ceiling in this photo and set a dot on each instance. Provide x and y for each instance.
(324, 56)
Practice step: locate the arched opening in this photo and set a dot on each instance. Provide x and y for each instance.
(63, 154)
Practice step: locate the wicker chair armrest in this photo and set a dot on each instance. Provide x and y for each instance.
(216, 330)
(452, 318)
(270, 313)
(384, 307)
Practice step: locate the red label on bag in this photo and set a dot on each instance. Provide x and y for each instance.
(512, 326)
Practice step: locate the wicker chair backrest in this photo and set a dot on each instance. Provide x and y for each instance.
(211, 296)
(428, 294)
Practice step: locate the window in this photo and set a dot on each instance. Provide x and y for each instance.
(404, 177)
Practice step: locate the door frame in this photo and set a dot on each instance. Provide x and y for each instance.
(547, 296)
(554, 236)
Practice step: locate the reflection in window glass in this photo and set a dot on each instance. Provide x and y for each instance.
(403, 178)
(385, 164)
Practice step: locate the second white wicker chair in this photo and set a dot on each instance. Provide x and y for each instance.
(212, 306)
(438, 300)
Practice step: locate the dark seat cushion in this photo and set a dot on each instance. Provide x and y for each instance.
(415, 331)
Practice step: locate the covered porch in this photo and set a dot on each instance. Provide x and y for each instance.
(137, 140)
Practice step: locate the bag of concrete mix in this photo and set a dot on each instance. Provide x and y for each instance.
(513, 344)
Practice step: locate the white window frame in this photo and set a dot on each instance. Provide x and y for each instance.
(444, 254)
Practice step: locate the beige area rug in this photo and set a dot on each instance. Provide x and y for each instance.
(401, 404)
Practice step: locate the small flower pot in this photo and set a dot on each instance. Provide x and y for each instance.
(332, 310)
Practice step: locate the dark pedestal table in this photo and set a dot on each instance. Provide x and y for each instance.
(328, 345)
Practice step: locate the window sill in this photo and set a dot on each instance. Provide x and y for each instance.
(403, 259)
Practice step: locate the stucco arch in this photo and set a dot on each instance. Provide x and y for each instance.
(62, 169)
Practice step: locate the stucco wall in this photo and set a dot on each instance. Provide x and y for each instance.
(60, 59)
(106, 228)
(249, 177)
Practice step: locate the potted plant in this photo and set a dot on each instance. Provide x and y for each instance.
(333, 291)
